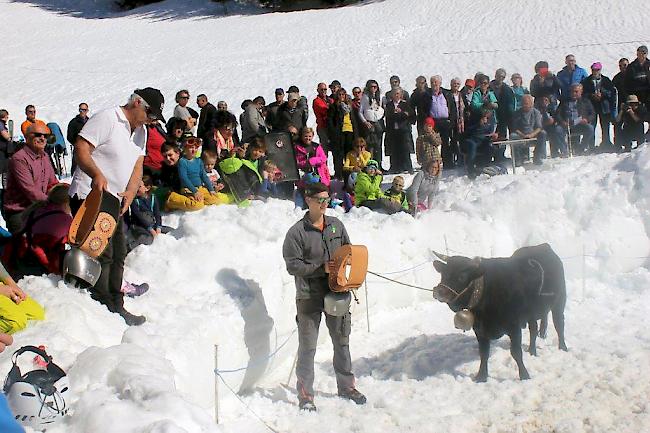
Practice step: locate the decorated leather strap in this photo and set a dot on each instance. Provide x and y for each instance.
(95, 222)
(355, 256)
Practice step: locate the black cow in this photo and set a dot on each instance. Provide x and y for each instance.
(505, 294)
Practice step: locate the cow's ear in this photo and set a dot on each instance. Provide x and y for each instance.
(439, 266)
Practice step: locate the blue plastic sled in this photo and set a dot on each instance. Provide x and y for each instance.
(56, 142)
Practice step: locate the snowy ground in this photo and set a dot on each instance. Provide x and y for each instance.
(221, 272)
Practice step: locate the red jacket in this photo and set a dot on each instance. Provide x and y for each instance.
(155, 140)
(320, 106)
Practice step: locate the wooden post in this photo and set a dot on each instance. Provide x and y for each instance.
(216, 383)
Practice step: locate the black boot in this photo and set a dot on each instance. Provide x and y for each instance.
(131, 319)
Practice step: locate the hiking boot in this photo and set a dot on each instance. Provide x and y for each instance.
(132, 319)
(307, 405)
(354, 395)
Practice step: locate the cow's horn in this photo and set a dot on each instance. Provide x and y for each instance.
(442, 257)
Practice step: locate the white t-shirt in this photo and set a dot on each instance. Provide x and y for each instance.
(116, 151)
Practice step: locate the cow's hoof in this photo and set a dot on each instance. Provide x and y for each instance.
(524, 376)
(532, 352)
(563, 347)
(480, 379)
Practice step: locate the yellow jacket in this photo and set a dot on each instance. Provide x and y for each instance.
(352, 160)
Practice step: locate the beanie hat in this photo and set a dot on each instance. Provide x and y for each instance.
(372, 164)
(429, 121)
(597, 66)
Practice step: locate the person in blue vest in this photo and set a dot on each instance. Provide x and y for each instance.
(8, 423)
(569, 75)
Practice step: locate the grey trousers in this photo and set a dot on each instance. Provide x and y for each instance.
(308, 318)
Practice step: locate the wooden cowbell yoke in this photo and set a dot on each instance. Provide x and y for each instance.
(90, 232)
(341, 282)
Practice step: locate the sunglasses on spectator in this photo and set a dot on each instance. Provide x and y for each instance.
(323, 89)
(30, 111)
(184, 97)
(322, 200)
(83, 110)
(40, 135)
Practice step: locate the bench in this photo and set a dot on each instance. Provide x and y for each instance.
(528, 142)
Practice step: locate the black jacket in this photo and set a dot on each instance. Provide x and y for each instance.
(399, 120)
(418, 101)
(145, 213)
(637, 77)
(335, 115)
(550, 86)
(285, 117)
(206, 120)
(607, 103)
(74, 128)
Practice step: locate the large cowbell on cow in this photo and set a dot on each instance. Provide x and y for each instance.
(37, 398)
(499, 296)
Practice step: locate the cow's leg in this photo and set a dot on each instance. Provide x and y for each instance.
(515, 351)
(543, 326)
(484, 351)
(558, 322)
(532, 329)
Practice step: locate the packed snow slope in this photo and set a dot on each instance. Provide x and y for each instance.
(219, 278)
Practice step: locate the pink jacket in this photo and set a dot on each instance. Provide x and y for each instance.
(318, 161)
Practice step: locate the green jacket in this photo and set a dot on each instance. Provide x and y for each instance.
(241, 177)
(367, 188)
(399, 197)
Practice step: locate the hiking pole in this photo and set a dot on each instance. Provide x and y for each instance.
(569, 139)
(293, 367)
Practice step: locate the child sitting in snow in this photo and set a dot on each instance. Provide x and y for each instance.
(424, 188)
(271, 175)
(396, 193)
(256, 153)
(143, 220)
(209, 158)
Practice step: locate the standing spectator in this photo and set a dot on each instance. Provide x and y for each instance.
(458, 127)
(505, 101)
(181, 111)
(526, 124)
(5, 137)
(272, 108)
(554, 131)
(631, 120)
(576, 115)
(427, 145)
(373, 115)
(110, 153)
(320, 105)
(206, 119)
(334, 86)
(310, 156)
(442, 108)
(619, 81)
(569, 75)
(5, 146)
(303, 105)
(74, 128)
(518, 90)
(399, 141)
(394, 85)
(308, 252)
(29, 177)
(289, 114)
(544, 83)
(253, 122)
(466, 92)
(637, 76)
(420, 101)
(601, 92)
(483, 97)
(155, 138)
(343, 128)
(30, 114)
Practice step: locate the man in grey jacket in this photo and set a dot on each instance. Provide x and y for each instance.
(308, 250)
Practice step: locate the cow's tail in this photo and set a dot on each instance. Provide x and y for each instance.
(535, 264)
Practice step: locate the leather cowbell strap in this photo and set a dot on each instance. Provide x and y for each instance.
(95, 222)
(356, 256)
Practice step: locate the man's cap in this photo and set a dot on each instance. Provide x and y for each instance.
(470, 82)
(293, 89)
(597, 66)
(315, 188)
(154, 99)
(279, 91)
(335, 83)
(632, 99)
(643, 49)
(293, 96)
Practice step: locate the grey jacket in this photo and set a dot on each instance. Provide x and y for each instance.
(252, 122)
(423, 189)
(306, 249)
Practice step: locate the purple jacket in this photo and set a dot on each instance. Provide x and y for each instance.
(29, 178)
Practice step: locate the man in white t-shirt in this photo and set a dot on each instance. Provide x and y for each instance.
(109, 152)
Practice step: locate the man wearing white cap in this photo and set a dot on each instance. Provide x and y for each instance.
(109, 152)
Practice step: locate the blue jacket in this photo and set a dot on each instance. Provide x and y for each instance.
(192, 175)
(7, 422)
(567, 78)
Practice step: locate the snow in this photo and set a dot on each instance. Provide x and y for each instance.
(219, 277)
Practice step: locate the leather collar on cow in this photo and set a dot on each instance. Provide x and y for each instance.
(476, 287)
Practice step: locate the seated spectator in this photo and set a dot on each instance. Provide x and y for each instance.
(144, 221)
(477, 144)
(544, 83)
(153, 159)
(424, 187)
(241, 178)
(631, 122)
(554, 131)
(483, 97)
(196, 190)
(356, 159)
(39, 247)
(168, 180)
(271, 175)
(527, 123)
(181, 111)
(518, 90)
(256, 153)
(16, 308)
(210, 160)
(396, 193)
(340, 195)
(310, 156)
(576, 114)
(223, 135)
(30, 113)
(368, 193)
(427, 145)
(29, 177)
(176, 130)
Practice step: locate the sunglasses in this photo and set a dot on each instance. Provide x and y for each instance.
(40, 135)
(83, 110)
(321, 200)
(30, 111)
(322, 89)
(184, 97)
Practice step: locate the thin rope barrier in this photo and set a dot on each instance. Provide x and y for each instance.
(260, 360)
(400, 282)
